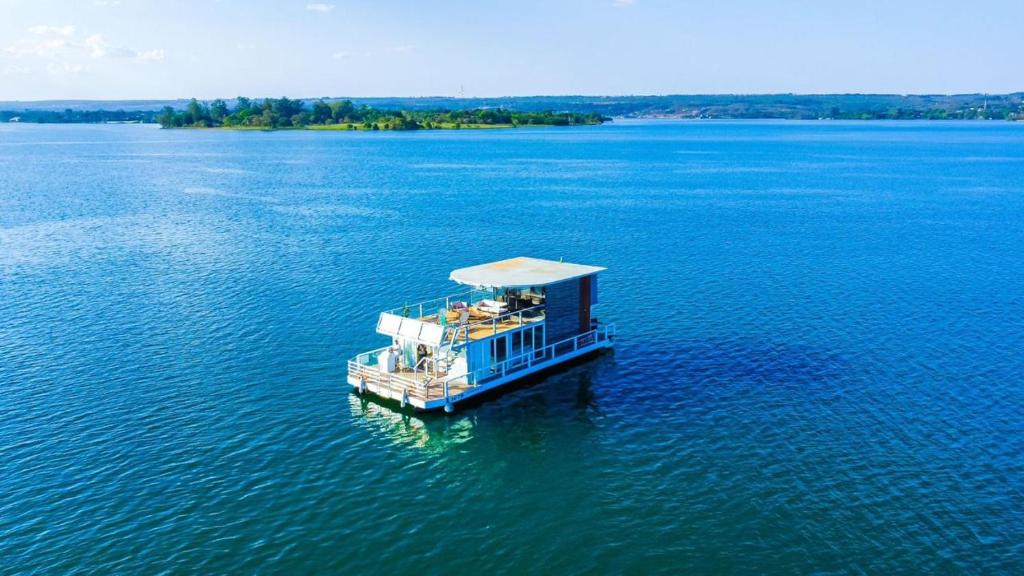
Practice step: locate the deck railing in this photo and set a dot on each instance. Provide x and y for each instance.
(368, 358)
(383, 383)
(526, 360)
(430, 307)
(531, 314)
(365, 366)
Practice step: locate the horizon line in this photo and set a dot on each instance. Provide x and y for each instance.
(668, 95)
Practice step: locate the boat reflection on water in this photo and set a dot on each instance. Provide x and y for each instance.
(432, 433)
(524, 417)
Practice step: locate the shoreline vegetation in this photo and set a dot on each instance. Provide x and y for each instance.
(535, 110)
(284, 113)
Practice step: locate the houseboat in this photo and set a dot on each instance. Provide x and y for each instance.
(516, 317)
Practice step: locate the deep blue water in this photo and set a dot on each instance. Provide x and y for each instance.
(819, 364)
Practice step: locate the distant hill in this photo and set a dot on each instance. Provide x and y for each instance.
(787, 106)
(79, 105)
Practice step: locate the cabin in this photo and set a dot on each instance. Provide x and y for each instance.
(516, 317)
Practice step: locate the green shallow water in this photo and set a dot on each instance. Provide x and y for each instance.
(820, 345)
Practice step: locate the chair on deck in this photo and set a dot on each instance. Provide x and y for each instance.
(462, 321)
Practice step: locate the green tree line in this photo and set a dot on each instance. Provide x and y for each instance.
(69, 116)
(273, 113)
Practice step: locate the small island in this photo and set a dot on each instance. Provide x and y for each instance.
(285, 113)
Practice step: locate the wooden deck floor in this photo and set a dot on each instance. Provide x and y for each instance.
(431, 388)
(487, 330)
(484, 329)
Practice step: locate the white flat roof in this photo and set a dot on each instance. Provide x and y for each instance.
(521, 272)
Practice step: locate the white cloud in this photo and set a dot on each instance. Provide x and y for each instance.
(623, 3)
(401, 48)
(97, 45)
(42, 48)
(320, 7)
(63, 54)
(44, 30)
(154, 55)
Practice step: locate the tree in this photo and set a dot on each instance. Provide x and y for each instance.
(285, 108)
(218, 111)
(322, 113)
(196, 114)
(343, 111)
(166, 117)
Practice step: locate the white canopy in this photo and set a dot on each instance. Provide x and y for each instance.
(521, 272)
(410, 329)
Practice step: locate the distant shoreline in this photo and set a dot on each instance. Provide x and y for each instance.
(344, 128)
(978, 106)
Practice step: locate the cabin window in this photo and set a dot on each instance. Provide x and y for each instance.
(499, 349)
(538, 342)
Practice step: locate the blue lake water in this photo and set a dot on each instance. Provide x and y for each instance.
(819, 363)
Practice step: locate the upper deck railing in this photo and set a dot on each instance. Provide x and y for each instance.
(480, 329)
(430, 321)
(431, 307)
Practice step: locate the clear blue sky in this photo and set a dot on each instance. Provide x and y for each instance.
(112, 49)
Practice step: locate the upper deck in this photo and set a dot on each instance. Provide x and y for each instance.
(461, 317)
(480, 312)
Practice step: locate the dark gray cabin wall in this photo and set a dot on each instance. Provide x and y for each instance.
(562, 310)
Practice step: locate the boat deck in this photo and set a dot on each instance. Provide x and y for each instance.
(421, 386)
(483, 325)
(427, 390)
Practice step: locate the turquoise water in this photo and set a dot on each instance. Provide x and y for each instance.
(821, 342)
